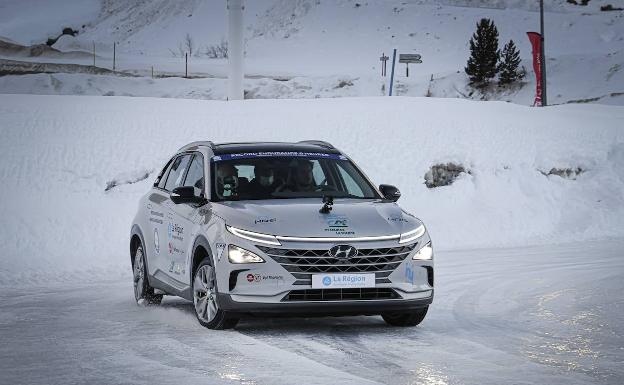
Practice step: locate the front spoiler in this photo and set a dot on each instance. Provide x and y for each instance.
(321, 308)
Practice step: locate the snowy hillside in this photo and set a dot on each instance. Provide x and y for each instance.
(316, 41)
(74, 148)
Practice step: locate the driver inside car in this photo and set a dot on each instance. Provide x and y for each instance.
(264, 183)
(303, 179)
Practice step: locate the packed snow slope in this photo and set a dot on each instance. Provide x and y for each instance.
(318, 41)
(58, 155)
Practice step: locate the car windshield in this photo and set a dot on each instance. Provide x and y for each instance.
(252, 176)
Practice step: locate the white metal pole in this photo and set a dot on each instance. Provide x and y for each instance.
(235, 48)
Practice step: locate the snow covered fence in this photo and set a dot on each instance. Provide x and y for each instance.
(59, 153)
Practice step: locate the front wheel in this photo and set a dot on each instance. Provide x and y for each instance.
(406, 319)
(205, 299)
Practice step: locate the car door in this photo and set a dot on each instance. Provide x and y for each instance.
(157, 223)
(171, 233)
(186, 217)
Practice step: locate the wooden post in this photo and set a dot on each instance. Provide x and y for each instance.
(152, 72)
(94, 53)
(114, 55)
(407, 70)
(186, 65)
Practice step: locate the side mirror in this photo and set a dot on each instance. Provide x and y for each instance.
(185, 194)
(390, 192)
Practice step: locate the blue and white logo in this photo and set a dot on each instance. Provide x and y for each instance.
(327, 281)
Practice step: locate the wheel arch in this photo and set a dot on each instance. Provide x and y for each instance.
(136, 239)
(201, 249)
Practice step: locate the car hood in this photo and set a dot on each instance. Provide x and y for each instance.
(301, 217)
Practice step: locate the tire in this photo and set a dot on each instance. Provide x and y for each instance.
(205, 299)
(406, 319)
(143, 292)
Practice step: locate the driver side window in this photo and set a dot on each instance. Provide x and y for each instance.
(195, 175)
(176, 173)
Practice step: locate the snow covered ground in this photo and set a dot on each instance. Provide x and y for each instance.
(60, 154)
(529, 315)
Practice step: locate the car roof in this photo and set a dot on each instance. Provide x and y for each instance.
(235, 148)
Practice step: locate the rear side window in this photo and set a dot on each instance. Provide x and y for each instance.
(195, 175)
(176, 173)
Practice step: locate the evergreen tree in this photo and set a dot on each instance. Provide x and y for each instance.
(484, 53)
(509, 65)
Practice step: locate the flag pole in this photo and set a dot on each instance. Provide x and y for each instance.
(543, 63)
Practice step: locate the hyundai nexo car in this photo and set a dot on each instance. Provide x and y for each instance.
(294, 229)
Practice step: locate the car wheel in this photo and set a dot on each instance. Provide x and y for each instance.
(143, 292)
(406, 319)
(205, 299)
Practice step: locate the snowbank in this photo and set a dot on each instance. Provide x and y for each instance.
(58, 154)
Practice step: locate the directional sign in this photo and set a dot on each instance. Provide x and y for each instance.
(384, 58)
(409, 58)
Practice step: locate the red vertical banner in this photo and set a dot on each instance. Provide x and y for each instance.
(536, 44)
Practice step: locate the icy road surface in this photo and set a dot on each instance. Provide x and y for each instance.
(537, 315)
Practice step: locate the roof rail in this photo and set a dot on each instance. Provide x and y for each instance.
(198, 143)
(320, 143)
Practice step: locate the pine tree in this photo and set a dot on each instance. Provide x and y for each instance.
(509, 65)
(484, 53)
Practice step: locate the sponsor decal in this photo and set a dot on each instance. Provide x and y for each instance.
(156, 220)
(338, 225)
(293, 154)
(174, 250)
(175, 231)
(263, 277)
(397, 219)
(156, 242)
(220, 248)
(157, 214)
(264, 220)
(171, 265)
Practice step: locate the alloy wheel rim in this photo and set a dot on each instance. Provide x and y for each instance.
(139, 275)
(204, 294)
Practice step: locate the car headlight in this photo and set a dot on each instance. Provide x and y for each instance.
(253, 236)
(425, 253)
(411, 235)
(239, 255)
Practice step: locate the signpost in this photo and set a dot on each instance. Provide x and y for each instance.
(383, 60)
(392, 71)
(408, 58)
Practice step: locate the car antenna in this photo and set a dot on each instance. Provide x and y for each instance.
(328, 201)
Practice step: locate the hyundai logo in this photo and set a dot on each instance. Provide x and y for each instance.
(343, 252)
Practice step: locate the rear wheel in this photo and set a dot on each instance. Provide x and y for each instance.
(143, 292)
(205, 299)
(406, 319)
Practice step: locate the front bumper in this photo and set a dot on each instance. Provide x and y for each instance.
(282, 285)
(322, 308)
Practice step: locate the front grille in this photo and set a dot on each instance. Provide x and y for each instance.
(340, 294)
(302, 263)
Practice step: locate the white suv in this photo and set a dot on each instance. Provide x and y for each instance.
(278, 228)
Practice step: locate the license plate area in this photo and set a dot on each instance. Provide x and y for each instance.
(342, 281)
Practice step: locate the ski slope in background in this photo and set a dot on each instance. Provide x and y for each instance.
(312, 48)
(58, 155)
